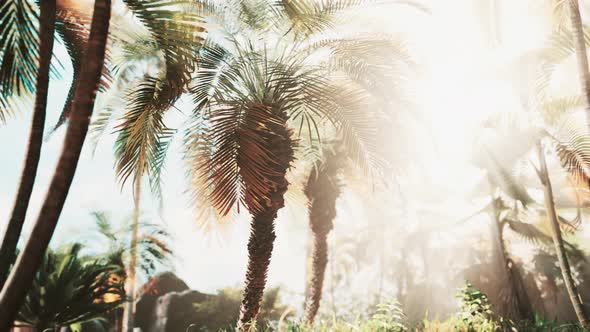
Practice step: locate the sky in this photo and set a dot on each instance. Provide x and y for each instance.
(460, 84)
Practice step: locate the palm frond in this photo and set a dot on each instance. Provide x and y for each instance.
(179, 35)
(378, 64)
(358, 121)
(176, 36)
(104, 226)
(18, 54)
(70, 288)
(234, 156)
(74, 29)
(555, 109)
(560, 46)
(530, 233)
(143, 137)
(307, 17)
(573, 149)
(503, 178)
(18, 46)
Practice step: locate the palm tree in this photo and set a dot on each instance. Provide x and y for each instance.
(511, 203)
(242, 152)
(322, 190)
(167, 41)
(240, 145)
(558, 240)
(31, 257)
(27, 180)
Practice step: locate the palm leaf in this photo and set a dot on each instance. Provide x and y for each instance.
(234, 157)
(18, 46)
(70, 288)
(18, 54)
(530, 233)
(178, 35)
(74, 29)
(573, 150)
(143, 137)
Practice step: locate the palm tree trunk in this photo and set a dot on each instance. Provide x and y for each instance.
(31, 257)
(29, 172)
(322, 191)
(318, 270)
(260, 245)
(129, 313)
(262, 233)
(581, 54)
(558, 241)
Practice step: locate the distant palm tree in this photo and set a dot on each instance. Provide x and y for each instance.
(9, 28)
(31, 257)
(322, 190)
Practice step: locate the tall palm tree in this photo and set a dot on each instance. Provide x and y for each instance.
(322, 190)
(153, 62)
(31, 257)
(27, 180)
(558, 240)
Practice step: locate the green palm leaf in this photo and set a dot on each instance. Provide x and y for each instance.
(70, 288)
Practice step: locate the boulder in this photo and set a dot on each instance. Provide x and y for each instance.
(165, 304)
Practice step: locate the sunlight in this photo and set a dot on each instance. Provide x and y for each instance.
(294, 165)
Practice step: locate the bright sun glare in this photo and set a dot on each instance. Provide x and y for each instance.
(215, 113)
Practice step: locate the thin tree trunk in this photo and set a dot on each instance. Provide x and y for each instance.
(29, 172)
(260, 245)
(129, 313)
(558, 241)
(31, 257)
(581, 54)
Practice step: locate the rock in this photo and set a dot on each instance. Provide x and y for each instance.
(165, 304)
